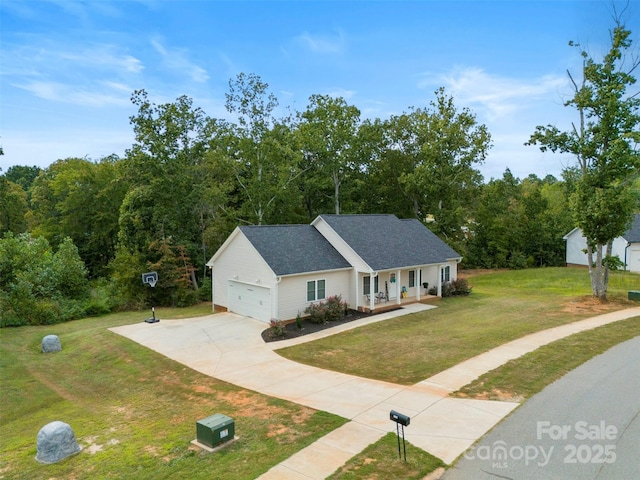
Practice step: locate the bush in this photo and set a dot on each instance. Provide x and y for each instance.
(461, 287)
(450, 289)
(204, 292)
(331, 310)
(102, 300)
(278, 328)
(316, 312)
(40, 286)
(336, 308)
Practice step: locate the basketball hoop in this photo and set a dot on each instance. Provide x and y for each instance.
(150, 278)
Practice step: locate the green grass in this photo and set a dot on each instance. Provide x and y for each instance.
(525, 376)
(134, 411)
(502, 307)
(380, 461)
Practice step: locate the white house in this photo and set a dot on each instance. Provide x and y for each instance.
(275, 271)
(626, 247)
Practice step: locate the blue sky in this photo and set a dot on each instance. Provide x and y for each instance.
(68, 67)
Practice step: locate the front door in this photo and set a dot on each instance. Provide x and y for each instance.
(393, 286)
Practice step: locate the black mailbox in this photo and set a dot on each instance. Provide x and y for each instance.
(399, 418)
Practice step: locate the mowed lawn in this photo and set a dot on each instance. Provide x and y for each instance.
(134, 411)
(503, 306)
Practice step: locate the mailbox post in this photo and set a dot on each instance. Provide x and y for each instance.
(403, 420)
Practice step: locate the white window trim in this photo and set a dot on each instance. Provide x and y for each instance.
(412, 281)
(376, 284)
(315, 290)
(444, 273)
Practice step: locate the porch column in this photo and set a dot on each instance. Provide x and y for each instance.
(398, 287)
(372, 293)
(418, 282)
(440, 280)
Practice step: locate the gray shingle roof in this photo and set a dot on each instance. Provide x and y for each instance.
(387, 242)
(632, 235)
(291, 249)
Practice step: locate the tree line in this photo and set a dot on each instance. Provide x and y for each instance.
(171, 200)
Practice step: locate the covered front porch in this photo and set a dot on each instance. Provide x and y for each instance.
(389, 289)
(382, 305)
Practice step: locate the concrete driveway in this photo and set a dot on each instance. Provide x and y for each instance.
(230, 347)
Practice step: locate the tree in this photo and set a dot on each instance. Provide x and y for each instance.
(262, 153)
(80, 199)
(40, 286)
(14, 207)
(169, 168)
(328, 129)
(605, 144)
(23, 175)
(433, 152)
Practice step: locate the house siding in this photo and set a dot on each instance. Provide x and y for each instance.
(633, 257)
(292, 291)
(577, 244)
(240, 262)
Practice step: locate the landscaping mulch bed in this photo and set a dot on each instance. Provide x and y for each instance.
(292, 330)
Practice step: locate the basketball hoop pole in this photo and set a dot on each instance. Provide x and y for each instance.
(151, 278)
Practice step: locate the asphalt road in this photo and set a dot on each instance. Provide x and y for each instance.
(584, 426)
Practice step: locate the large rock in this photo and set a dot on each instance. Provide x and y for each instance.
(56, 441)
(51, 343)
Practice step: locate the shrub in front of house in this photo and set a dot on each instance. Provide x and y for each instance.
(461, 287)
(316, 313)
(453, 288)
(335, 308)
(331, 310)
(278, 328)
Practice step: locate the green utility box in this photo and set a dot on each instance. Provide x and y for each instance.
(634, 295)
(215, 430)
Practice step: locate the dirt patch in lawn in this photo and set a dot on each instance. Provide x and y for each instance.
(495, 394)
(588, 305)
(477, 272)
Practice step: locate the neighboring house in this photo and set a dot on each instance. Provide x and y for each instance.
(626, 247)
(276, 271)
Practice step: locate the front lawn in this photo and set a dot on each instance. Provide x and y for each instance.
(503, 306)
(525, 376)
(134, 411)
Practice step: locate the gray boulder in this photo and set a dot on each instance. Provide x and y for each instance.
(51, 343)
(56, 441)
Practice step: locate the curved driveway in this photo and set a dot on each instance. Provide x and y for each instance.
(585, 426)
(229, 347)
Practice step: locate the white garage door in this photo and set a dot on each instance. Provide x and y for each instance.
(250, 300)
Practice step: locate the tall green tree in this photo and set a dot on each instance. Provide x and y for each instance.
(80, 199)
(14, 207)
(23, 175)
(328, 129)
(605, 143)
(262, 153)
(171, 180)
(433, 153)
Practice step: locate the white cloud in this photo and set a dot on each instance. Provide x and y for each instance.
(342, 92)
(498, 96)
(322, 44)
(177, 59)
(65, 93)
